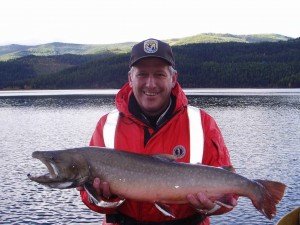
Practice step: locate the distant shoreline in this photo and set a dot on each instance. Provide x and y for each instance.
(188, 91)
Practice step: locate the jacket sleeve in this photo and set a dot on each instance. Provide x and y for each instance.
(215, 152)
(96, 140)
(97, 137)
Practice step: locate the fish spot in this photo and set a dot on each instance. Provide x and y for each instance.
(122, 180)
(177, 186)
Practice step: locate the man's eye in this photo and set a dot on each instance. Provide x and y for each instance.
(160, 75)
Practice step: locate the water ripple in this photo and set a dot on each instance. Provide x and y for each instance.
(261, 132)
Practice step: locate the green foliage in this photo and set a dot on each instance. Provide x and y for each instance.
(221, 38)
(16, 51)
(54, 49)
(292, 81)
(104, 73)
(230, 64)
(14, 73)
(239, 64)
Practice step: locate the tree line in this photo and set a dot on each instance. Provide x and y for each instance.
(216, 65)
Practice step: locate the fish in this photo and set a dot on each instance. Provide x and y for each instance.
(152, 178)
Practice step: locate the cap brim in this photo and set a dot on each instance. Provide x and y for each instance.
(149, 56)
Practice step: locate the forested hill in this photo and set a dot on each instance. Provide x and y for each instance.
(16, 51)
(230, 64)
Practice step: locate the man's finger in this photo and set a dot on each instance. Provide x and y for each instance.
(79, 188)
(194, 201)
(234, 202)
(105, 190)
(228, 200)
(205, 201)
(96, 185)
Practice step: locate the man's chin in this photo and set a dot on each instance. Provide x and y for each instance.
(152, 111)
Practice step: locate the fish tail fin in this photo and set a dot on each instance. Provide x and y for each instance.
(271, 192)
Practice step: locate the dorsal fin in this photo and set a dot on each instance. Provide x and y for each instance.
(229, 168)
(165, 157)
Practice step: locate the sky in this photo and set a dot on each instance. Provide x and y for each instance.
(32, 22)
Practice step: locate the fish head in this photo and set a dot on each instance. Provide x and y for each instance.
(66, 169)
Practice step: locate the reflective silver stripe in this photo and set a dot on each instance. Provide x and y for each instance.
(196, 135)
(109, 128)
(195, 127)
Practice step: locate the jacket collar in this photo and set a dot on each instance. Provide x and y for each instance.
(153, 121)
(123, 97)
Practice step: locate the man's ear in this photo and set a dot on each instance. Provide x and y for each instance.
(174, 79)
(129, 79)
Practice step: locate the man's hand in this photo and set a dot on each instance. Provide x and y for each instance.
(228, 200)
(101, 188)
(204, 205)
(200, 202)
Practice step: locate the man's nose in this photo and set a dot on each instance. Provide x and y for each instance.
(150, 82)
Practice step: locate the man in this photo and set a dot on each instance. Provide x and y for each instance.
(153, 117)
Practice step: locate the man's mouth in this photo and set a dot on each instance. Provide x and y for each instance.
(150, 93)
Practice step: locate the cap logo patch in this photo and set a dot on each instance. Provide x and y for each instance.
(179, 151)
(150, 46)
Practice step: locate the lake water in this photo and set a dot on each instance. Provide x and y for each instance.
(261, 129)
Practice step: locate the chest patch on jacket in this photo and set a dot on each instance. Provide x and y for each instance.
(179, 151)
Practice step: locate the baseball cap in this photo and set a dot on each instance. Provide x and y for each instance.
(152, 48)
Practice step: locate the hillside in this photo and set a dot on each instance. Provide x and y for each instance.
(214, 65)
(224, 64)
(9, 52)
(16, 72)
(221, 38)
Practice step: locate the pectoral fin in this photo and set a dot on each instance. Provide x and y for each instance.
(223, 204)
(101, 203)
(105, 204)
(164, 209)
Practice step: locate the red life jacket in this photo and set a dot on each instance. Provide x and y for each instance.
(190, 137)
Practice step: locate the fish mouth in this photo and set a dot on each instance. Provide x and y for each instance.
(51, 176)
(61, 173)
(54, 178)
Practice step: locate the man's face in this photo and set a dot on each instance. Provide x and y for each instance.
(152, 82)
